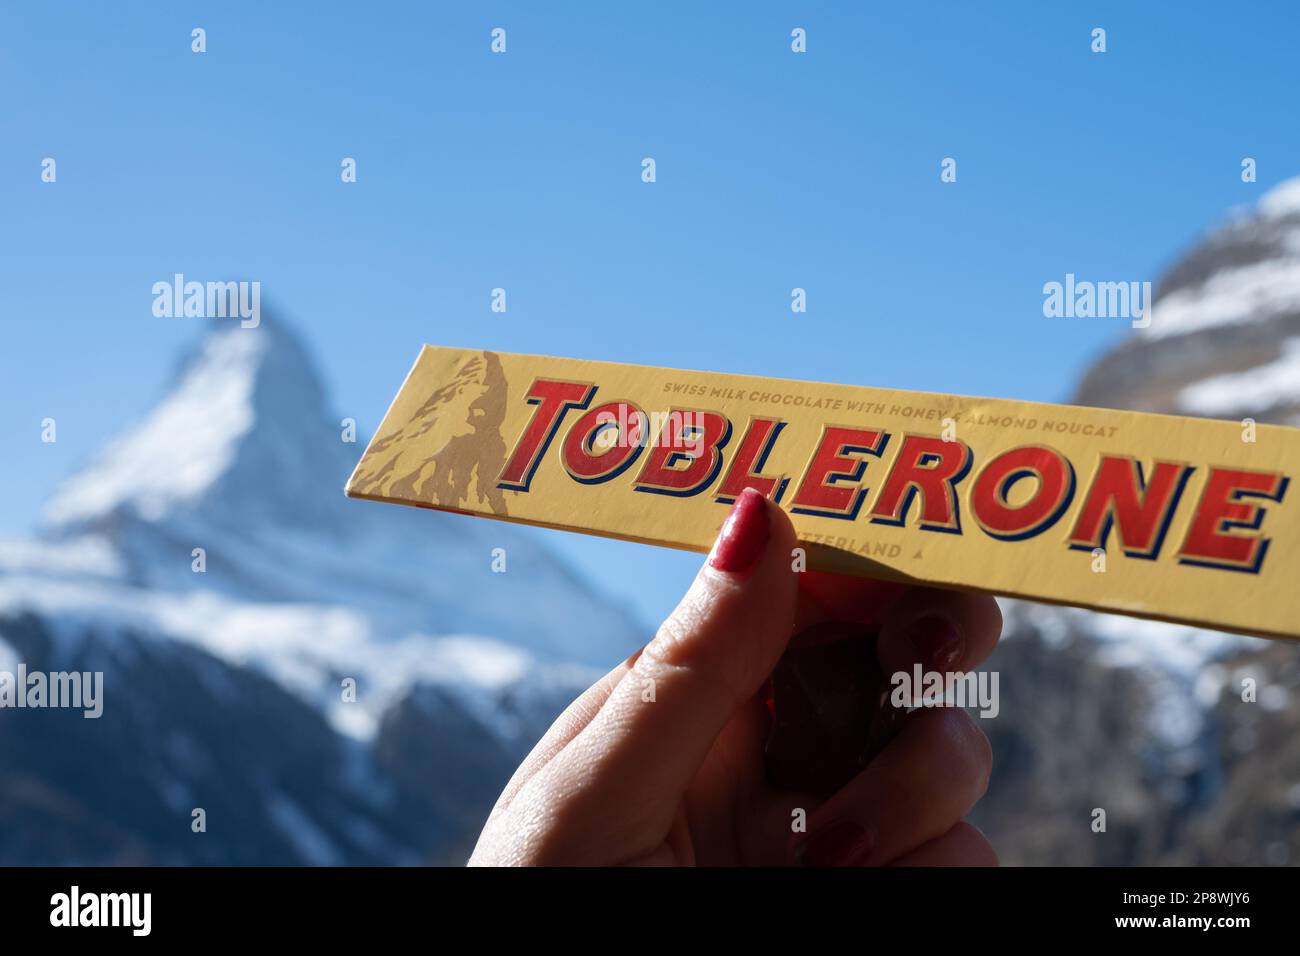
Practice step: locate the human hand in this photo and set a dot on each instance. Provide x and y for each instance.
(661, 761)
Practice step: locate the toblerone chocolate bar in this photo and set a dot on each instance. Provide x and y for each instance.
(1158, 516)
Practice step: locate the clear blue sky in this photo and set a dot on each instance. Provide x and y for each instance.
(476, 170)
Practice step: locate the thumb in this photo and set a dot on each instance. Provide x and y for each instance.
(640, 752)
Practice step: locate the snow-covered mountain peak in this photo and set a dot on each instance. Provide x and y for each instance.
(1224, 325)
(1245, 271)
(232, 484)
(181, 447)
(244, 403)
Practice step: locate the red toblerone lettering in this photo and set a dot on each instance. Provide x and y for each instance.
(686, 455)
(747, 466)
(1212, 538)
(1138, 509)
(603, 443)
(1016, 494)
(930, 467)
(1052, 476)
(552, 399)
(830, 485)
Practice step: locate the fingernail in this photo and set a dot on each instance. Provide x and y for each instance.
(743, 534)
(843, 843)
(937, 641)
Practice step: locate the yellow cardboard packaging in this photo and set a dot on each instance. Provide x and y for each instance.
(1158, 516)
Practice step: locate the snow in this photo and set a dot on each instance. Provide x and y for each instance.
(1137, 642)
(9, 659)
(181, 447)
(92, 555)
(1180, 663)
(1130, 641)
(1229, 297)
(405, 570)
(306, 648)
(1274, 697)
(1282, 200)
(1253, 391)
(1242, 293)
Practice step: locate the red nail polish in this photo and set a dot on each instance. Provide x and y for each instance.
(743, 534)
(937, 641)
(843, 843)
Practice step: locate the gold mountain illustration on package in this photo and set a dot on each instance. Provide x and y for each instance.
(1181, 519)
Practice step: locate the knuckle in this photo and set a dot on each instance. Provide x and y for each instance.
(673, 659)
(977, 753)
(962, 751)
(672, 641)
